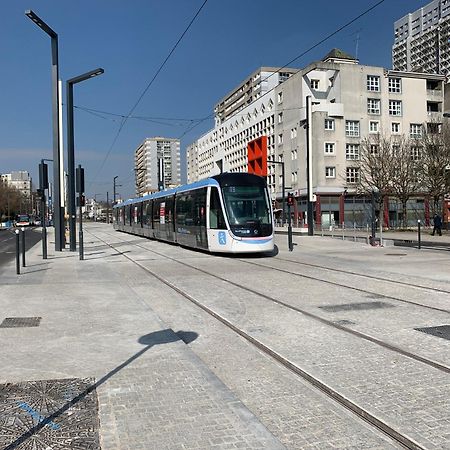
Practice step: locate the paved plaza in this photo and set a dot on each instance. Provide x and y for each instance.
(88, 362)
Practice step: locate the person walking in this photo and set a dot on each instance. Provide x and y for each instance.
(437, 221)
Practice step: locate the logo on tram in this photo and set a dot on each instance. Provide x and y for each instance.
(222, 238)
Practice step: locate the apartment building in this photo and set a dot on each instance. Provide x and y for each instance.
(253, 87)
(19, 180)
(421, 42)
(349, 102)
(157, 165)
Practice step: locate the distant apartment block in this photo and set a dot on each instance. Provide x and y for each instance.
(19, 180)
(157, 164)
(421, 42)
(253, 87)
(349, 103)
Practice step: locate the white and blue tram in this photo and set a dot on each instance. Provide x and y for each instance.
(228, 213)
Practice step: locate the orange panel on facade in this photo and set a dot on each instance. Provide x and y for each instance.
(257, 156)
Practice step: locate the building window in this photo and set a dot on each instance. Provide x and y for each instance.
(415, 130)
(329, 148)
(395, 108)
(395, 85)
(280, 138)
(415, 153)
(395, 127)
(293, 133)
(374, 126)
(373, 106)
(315, 84)
(352, 175)
(330, 172)
(280, 117)
(352, 151)
(329, 124)
(294, 154)
(280, 97)
(373, 83)
(294, 177)
(374, 149)
(352, 128)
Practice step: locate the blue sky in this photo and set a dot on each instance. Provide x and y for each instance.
(130, 40)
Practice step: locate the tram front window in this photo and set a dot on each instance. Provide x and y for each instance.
(248, 211)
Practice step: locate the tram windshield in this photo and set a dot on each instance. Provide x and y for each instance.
(248, 210)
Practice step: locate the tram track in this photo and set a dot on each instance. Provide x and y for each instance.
(346, 286)
(367, 337)
(376, 422)
(362, 275)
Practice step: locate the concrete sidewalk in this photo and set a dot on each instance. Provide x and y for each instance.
(90, 365)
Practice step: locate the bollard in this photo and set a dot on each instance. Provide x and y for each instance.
(81, 244)
(418, 234)
(23, 246)
(17, 252)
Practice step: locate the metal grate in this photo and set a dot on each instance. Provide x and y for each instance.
(442, 331)
(49, 414)
(20, 322)
(356, 306)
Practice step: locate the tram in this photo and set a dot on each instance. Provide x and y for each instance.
(226, 213)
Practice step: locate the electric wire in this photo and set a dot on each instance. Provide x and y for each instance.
(125, 119)
(195, 123)
(210, 116)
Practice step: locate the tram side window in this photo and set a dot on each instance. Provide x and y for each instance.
(190, 208)
(156, 209)
(127, 215)
(168, 210)
(199, 198)
(216, 219)
(147, 216)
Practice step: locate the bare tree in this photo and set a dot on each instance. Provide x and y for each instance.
(10, 201)
(377, 164)
(405, 176)
(435, 162)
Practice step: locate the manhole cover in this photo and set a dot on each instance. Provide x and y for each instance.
(20, 322)
(442, 331)
(49, 414)
(356, 306)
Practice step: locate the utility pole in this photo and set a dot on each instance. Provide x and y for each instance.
(107, 207)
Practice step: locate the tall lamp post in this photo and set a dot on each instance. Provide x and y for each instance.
(71, 151)
(58, 216)
(309, 189)
(283, 188)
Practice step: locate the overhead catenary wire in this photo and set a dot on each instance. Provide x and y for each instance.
(328, 36)
(125, 119)
(196, 122)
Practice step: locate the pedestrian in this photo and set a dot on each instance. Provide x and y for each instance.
(437, 221)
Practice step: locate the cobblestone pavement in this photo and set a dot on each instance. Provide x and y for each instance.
(153, 391)
(168, 376)
(402, 392)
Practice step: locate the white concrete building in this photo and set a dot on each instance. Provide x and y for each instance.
(421, 42)
(349, 103)
(19, 180)
(157, 164)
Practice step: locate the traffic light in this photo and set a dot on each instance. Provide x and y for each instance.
(81, 200)
(290, 199)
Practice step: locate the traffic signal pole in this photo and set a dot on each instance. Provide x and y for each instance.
(290, 203)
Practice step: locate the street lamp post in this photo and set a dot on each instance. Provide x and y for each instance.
(309, 190)
(71, 150)
(58, 216)
(283, 188)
